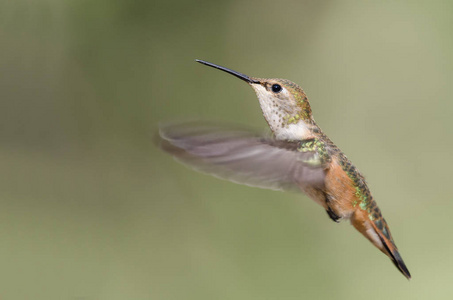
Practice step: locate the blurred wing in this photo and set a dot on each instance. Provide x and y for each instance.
(240, 156)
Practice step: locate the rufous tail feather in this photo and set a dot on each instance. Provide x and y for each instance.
(391, 250)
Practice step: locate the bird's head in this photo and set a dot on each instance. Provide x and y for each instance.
(284, 104)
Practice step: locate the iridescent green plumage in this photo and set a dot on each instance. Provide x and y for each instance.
(326, 149)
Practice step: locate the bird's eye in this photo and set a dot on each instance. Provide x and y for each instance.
(276, 88)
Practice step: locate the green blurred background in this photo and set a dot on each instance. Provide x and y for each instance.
(90, 209)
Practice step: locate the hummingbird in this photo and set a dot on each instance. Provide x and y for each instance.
(297, 155)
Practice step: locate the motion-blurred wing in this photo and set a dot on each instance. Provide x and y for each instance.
(241, 156)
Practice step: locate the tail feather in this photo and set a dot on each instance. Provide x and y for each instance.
(378, 233)
(391, 250)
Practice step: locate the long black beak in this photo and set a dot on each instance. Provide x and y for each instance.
(237, 74)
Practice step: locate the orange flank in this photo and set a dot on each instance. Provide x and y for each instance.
(340, 190)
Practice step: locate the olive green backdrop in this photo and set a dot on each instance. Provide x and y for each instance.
(91, 209)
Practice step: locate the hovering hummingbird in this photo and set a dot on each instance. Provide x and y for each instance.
(298, 155)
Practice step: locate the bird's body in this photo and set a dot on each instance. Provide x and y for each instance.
(298, 155)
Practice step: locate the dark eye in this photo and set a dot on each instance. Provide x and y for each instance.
(276, 88)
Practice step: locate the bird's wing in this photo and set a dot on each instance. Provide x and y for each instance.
(239, 155)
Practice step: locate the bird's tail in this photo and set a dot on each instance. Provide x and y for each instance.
(378, 233)
(390, 248)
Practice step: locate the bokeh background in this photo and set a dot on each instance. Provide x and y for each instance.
(91, 209)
